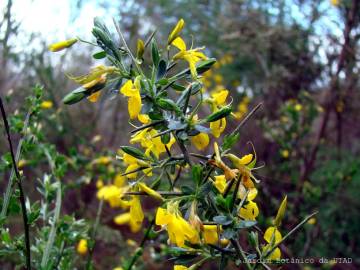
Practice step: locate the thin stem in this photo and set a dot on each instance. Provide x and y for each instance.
(162, 193)
(52, 234)
(184, 151)
(9, 187)
(240, 252)
(288, 234)
(139, 250)
(153, 123)
(59, 257)
(93, 234)
(22, 196)
(126, 47)
(247, 117)
(235, 193)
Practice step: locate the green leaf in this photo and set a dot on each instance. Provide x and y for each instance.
(155, 115)
(5, 237)
(203, 66)
(223, 220)
(167, 104)
(161, 69)
(196, 172)
(178, 87)
(99, 55)
(155, 53)
(34, 214)
(75, 96)
(230, 140)
(162, 81)
(223, 112)
(165, 139)
(132, 151)
(245, 224)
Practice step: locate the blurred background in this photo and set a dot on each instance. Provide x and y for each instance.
(300, 58)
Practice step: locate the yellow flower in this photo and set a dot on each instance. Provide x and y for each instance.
(22, 163)
(298, 107)
(179, 230)
(55, 47)
(180, 267)
(46, 104)
(335, 2)
(218, 100)
(176, 31)
(148, 141)
(218, 78)
(144, 118)
(119, 180)
(200, 141)
(312, 221)
(210, 234)
(94, 97)
(99, 183)
(242, 164)
(122, 219)
(118, 268)
(82, 247)
(113, 194)
(150, 191)
(224, 242)
(273, 237)
(251, 195)
(285, 153)
(218, 127)
(134, 164)
(94, 76)
(192, 56)
(132, 91)
(275, 255)
(249, 211)
(220, 183)
(242, 108)
(134, 217)
(229, 173)
(103, 160)
(131, 243)
(140, 47)
(136, 214)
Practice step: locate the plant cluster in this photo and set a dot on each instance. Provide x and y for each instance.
(206, 201)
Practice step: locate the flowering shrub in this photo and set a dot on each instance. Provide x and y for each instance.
(206, 202)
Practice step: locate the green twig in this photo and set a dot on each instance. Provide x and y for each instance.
(139, 250)
(10, 184)
(288, 234)
(22, 196)
(52, 234)
(127, 48)
(162, 193)
(240, 252)
(247, 117)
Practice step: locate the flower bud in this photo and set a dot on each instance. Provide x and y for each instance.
(281, 212)
(140, 48)
(55, 47)
(176, 31)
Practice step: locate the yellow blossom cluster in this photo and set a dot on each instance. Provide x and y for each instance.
(205, 214)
